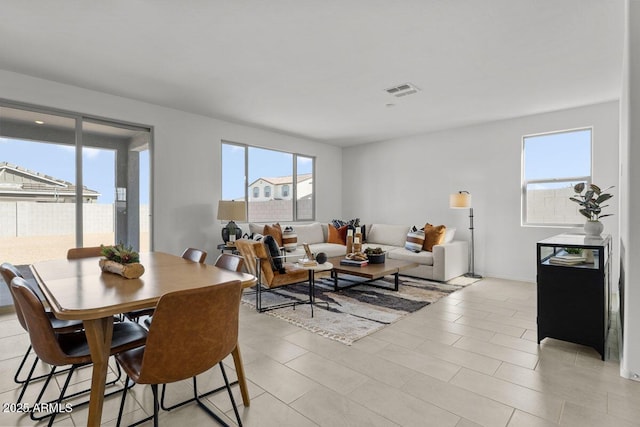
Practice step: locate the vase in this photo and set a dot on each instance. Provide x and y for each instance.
(593, 228)
(128, 271)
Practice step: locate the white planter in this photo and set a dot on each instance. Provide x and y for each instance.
(593, 228)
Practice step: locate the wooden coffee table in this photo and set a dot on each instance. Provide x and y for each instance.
(370, 272)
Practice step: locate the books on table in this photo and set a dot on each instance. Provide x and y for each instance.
(568, 259)
(353, 262)
(308, 263)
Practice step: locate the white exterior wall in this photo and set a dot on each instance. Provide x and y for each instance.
(409, 180)
(186, 158)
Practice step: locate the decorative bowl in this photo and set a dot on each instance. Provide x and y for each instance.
(376, 258)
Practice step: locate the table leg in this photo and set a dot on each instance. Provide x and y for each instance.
(242, 380)
(99, 333)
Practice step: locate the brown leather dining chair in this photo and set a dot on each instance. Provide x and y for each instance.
(195, 255)
(9, 272)
(185, 343)
(65, 349)
(88, 252)
(230, 262)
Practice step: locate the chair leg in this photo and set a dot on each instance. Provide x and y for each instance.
(233, 401)
(57, 403)
(125, 389)
(154, 388)
(24, 360)
(204, 407)
(29, 378)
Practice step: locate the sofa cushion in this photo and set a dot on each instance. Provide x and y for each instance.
(415, 240)
(337, 235)
(449, 234)
(385, 234)
(433, 235)
(331, 249)
(385, 248)
(275, 231)
(310, 233)
(422, 257)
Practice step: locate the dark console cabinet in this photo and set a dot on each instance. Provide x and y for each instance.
(573, 289)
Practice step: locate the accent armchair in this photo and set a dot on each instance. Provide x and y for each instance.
(259, 262)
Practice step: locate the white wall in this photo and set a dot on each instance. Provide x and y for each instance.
(408, 181)
(629, 183)
(186, 162)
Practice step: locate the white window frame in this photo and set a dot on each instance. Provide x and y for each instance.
(293, 189)
(524, 183)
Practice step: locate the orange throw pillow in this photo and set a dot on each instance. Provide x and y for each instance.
(433, 235)
(275, 231)
(337, 235)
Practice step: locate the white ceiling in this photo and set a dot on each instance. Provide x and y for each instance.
(318, 68)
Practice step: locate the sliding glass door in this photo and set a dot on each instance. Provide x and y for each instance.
(67, 180)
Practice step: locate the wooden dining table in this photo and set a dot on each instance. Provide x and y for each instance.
(78, 290)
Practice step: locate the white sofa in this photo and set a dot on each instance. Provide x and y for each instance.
(446, 261)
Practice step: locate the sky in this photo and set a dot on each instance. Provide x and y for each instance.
(558, 155)
(262, 163)
(58, 161)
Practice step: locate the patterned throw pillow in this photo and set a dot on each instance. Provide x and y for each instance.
(351, 224)
(289, 239)
(433, 235)
(415, 240)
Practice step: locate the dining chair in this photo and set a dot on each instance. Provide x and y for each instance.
(228, 262)
(9, 272)
(267, 265)
(195, 255)
(65, 349)
(88, 252)
(185, 343)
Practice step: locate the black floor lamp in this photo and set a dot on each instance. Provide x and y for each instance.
(462, 200)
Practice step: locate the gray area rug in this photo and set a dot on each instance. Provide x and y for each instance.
(350, 314)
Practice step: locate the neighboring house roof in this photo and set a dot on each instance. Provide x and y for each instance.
(19, 183)
(281, 180)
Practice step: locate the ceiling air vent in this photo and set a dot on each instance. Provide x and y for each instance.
(402, 90)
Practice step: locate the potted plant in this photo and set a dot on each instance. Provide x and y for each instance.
(591, 203)
(122, 260)
(375, 255)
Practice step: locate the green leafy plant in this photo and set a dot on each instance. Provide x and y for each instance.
(120, 253)
(573, 251)
(591, 201)
(373, 251)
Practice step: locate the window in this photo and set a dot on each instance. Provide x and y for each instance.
(552, 163)
(247, 169)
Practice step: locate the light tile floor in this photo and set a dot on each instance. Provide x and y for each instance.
(471, 359)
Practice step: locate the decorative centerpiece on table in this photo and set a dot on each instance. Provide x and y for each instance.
(375, 255)
(122, 260)
(591, 203)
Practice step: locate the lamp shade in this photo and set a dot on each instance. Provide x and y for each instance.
(460, 200)
(229, 210)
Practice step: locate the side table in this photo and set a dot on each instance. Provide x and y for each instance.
(312, 269)
(225, 247)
